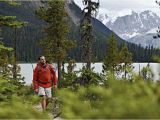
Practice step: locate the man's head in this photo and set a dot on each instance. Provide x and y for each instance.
(42, 60)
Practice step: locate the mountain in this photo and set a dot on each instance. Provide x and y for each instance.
(134, 25)
(146, 39)
(28, 38)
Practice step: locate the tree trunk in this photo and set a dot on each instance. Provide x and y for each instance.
(139, 70)
(125, 72)
(59, 70)
(15, 55)
(89, 65)
(1, 34)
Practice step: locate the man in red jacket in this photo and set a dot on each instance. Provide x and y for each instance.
(43, 79)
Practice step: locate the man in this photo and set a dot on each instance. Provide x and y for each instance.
(43, 79)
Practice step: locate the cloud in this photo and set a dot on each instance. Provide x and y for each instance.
(120, 7)
(126, 4)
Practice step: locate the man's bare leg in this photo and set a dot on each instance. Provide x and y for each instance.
(43, 102)
(47, 101)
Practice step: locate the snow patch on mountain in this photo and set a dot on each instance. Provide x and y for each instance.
(152, 30)
(129, 35)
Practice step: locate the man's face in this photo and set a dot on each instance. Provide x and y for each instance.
(42, 60)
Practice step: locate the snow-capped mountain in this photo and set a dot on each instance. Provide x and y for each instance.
(135, 27)
(146, 39)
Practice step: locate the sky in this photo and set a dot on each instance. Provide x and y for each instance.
(114, 8)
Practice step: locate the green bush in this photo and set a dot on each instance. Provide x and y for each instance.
(6, 89)
(16, 109)
(118, 100)
(18, 102)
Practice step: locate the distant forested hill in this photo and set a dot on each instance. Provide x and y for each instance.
(28, 37)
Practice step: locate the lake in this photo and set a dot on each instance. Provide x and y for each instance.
(27, 70)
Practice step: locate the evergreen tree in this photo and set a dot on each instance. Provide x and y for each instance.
(15, 25)
(126, 60)
(111, 62)
(70, 76)
(10, 21)
(5, 51)
(56, 44)
(71, 65)
(86, 26)
(147, 73)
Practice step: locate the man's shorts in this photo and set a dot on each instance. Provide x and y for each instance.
(45, 92)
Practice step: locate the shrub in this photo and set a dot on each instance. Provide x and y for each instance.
(119, 100)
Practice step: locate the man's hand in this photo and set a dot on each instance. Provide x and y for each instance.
(36, 90)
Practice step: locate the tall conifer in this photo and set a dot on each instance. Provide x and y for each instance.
(56, 44)
(111, 61)
(126, 60)
(86, 30)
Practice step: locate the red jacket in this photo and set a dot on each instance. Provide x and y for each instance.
(44, 76)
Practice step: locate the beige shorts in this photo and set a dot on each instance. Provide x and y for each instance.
(45, 92)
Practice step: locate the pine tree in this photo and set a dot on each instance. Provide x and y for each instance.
(56, 44)
(4, 51)
(147, 73)
(111, 61)
(86, 30)
(15, 25)
(126, 60)
(10, 21)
